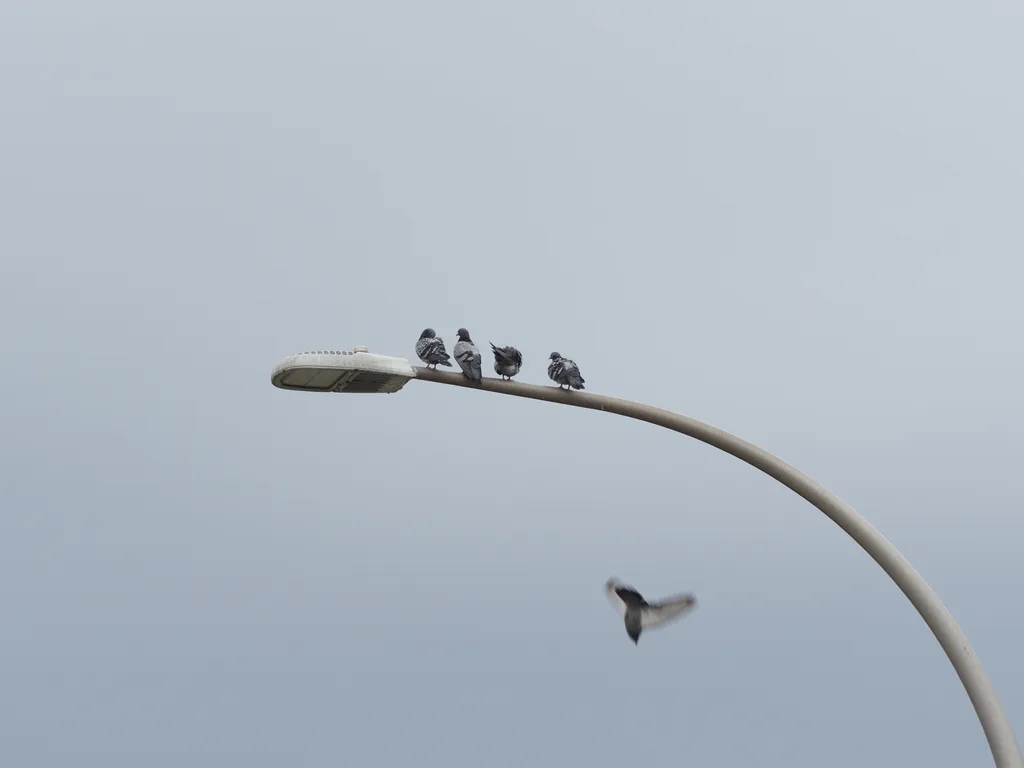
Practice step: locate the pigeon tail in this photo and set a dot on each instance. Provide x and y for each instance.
(634, 625)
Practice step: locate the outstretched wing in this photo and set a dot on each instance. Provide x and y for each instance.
(664, 611)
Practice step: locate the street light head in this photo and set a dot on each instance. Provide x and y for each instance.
(335, 370)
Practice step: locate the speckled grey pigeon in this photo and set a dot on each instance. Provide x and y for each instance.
(639, 614)
(430, 349)
(564, 372)
(507, 361)
(468, 356)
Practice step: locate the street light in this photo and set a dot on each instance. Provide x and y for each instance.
(360, 371)
(335, 370)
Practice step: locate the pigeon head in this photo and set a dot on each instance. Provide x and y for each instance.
(428, 334)
(464, 335)
(555, 356)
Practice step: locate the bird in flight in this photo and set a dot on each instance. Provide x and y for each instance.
(639, 614)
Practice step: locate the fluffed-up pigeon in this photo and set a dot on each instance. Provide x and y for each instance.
(564, 372)
(507, 361)
(430, 349)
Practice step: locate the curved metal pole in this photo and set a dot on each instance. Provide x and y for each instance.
(942, 624)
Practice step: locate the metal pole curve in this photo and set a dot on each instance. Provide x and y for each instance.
(972, 674)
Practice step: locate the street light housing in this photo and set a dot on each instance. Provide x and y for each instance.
(333, 370)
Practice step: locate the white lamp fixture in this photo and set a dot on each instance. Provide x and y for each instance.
(333, 370)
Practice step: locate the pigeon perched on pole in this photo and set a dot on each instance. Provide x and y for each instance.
(430, 349)
(507, 361)
(639, 615)
(564, 372)
(468, 356)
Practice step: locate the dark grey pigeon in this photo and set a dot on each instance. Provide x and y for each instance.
(507, 361)
(468, 356)
(639, 614)
(430, 349)
(564, 372)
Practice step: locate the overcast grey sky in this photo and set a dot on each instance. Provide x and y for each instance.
(799, 221)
